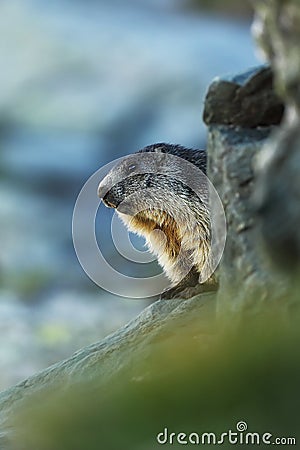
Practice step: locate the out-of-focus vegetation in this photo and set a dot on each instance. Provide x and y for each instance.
(230, 7)
(188, 384)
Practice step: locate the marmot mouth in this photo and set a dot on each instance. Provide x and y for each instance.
(109, 203)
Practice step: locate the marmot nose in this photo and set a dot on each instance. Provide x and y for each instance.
(110, 201)
(109, 197)
(102, 190)
(106, 197)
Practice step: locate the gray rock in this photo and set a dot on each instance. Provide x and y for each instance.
(247, 99)
(277, 192)
(118, 352)
(36, 334)
(277, 196)
(277, 31)
(231, 152)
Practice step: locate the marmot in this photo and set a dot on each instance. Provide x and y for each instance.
(187, 232)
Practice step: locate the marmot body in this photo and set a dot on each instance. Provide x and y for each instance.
(150, 198)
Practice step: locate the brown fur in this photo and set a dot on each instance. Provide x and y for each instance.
(148, 221)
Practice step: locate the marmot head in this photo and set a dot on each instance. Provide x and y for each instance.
(149, 169)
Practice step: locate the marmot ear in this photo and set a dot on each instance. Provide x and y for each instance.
(161, 157)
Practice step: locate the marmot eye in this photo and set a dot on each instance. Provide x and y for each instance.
(131, 167)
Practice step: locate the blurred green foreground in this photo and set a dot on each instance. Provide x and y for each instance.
(191, 383)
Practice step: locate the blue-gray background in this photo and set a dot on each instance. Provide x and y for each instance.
(84, 82)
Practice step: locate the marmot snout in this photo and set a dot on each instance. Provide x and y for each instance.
(158, 200)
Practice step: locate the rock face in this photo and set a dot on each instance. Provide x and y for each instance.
(277, 196)
(277, 30)
(247, 99)
(235, 110)
(231, 154)
(111, 357)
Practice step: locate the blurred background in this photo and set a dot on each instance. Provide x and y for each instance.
(82, 83)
